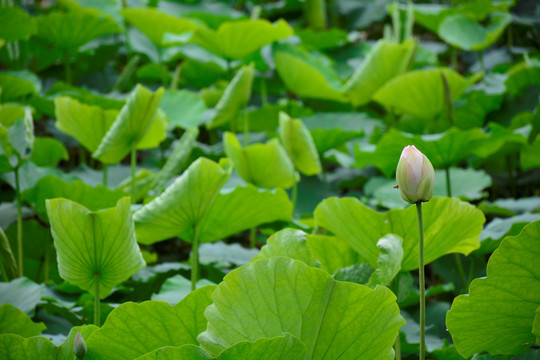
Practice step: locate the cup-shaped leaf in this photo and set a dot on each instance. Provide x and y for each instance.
(235, 97)
(237, 39)
(155, 23)
(16, 24)
(75, 28)
(383, 62)
(264, 165)
(183, 204)
(98, 244)
(299, 144)
(498, 315)
(131, 125)
(307, 75)
(451, 226)
(270, 297)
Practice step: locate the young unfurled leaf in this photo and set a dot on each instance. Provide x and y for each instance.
(94, 244)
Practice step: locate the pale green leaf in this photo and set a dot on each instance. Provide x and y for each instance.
(155, 23)
(306, 75)
(332, 252)
(94, 245)
(234, 99)
(383, 62)
(389, 261)
(48, 152)
(290, 243)
(497, 315)
(156, 133)
(65, 351)
(271, 296)
(9, 266)
(184, 352)
(16, 24)
(183, 108)
(299, 144)
(237, 39)
(132, 330)
(420, 93)
(131, 126)
(22, 293)
(176, 288)
(17, 84)
(9, 113)
(15, 321)
(70, 30)
(528, 156)
(92, 197)
(15, 347)
(450, 226)
(243, 208)
(183, 205)
(264, 165)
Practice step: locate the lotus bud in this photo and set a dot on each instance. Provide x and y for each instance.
(79, 346)
(415, 175)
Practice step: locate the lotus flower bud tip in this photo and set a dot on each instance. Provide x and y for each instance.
(79, 346)
(415, 175)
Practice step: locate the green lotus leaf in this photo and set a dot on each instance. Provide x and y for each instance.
(15, 321)
(166, 216)
(307, 75)
(184, 352)
(332, 252)
(131, 126)
(290, 243)
(9, 113)
(73, 29)
(420, 93)
(132, 330)
(155, 23)
(450, 226)
(270, 297)
(298, 143)
(498, 314)
(528, 156)
(522, 75)
(15, 347)
(49, 187)
(184, 108)
(383, 62)
(22, 293)
(389, 261)
(264, 165)
(94, 245)
(467, 34)
(9, 266)
(234, 99)
(16, 24)
(237, 39)
(48, 152)
(65, 351)
(17, 84)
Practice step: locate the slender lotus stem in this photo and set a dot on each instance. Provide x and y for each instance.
(246, 127)
(105, 174)
(133, 168)
(19, 223)
(67, 68)
(195, 258)
(252, 237)
(97, 305)
(422, 281)
(448, 185)
(397, 347)
(4, 274)
(294, 196)
(481, 60)
(316, 14)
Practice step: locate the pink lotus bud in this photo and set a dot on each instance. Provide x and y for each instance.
(79, 346)
(415, 175)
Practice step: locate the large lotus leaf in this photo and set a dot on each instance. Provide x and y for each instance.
(9, 113)
(290, 243)
(271, 296)
(280, 347)
(528, 156)
(383, 62)
(237, 39)
(94, 245)
(389, 261)
(73, 29)
(536, 325)
(183, 108)
(155, 23)
(332, 252)
(497, 315)
(420, 93)
(48, 152)
(177, 288)
(264, 165)
(522, 75)
(16, 24)
(450, 226)
(431, 15)
(131, 125)
(465, 33)
(15, 321)
(183, 205)
(16, 84)
(306, 75)
(243, 208)
(49, 187)
(22, 293)
(15, 347)
(235, 98)
(501, 141)
(299, 144)
(132, 330)
(442, 149)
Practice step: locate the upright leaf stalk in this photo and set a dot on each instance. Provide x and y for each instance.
(195, 258)
(421, 280)
(19, 224)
